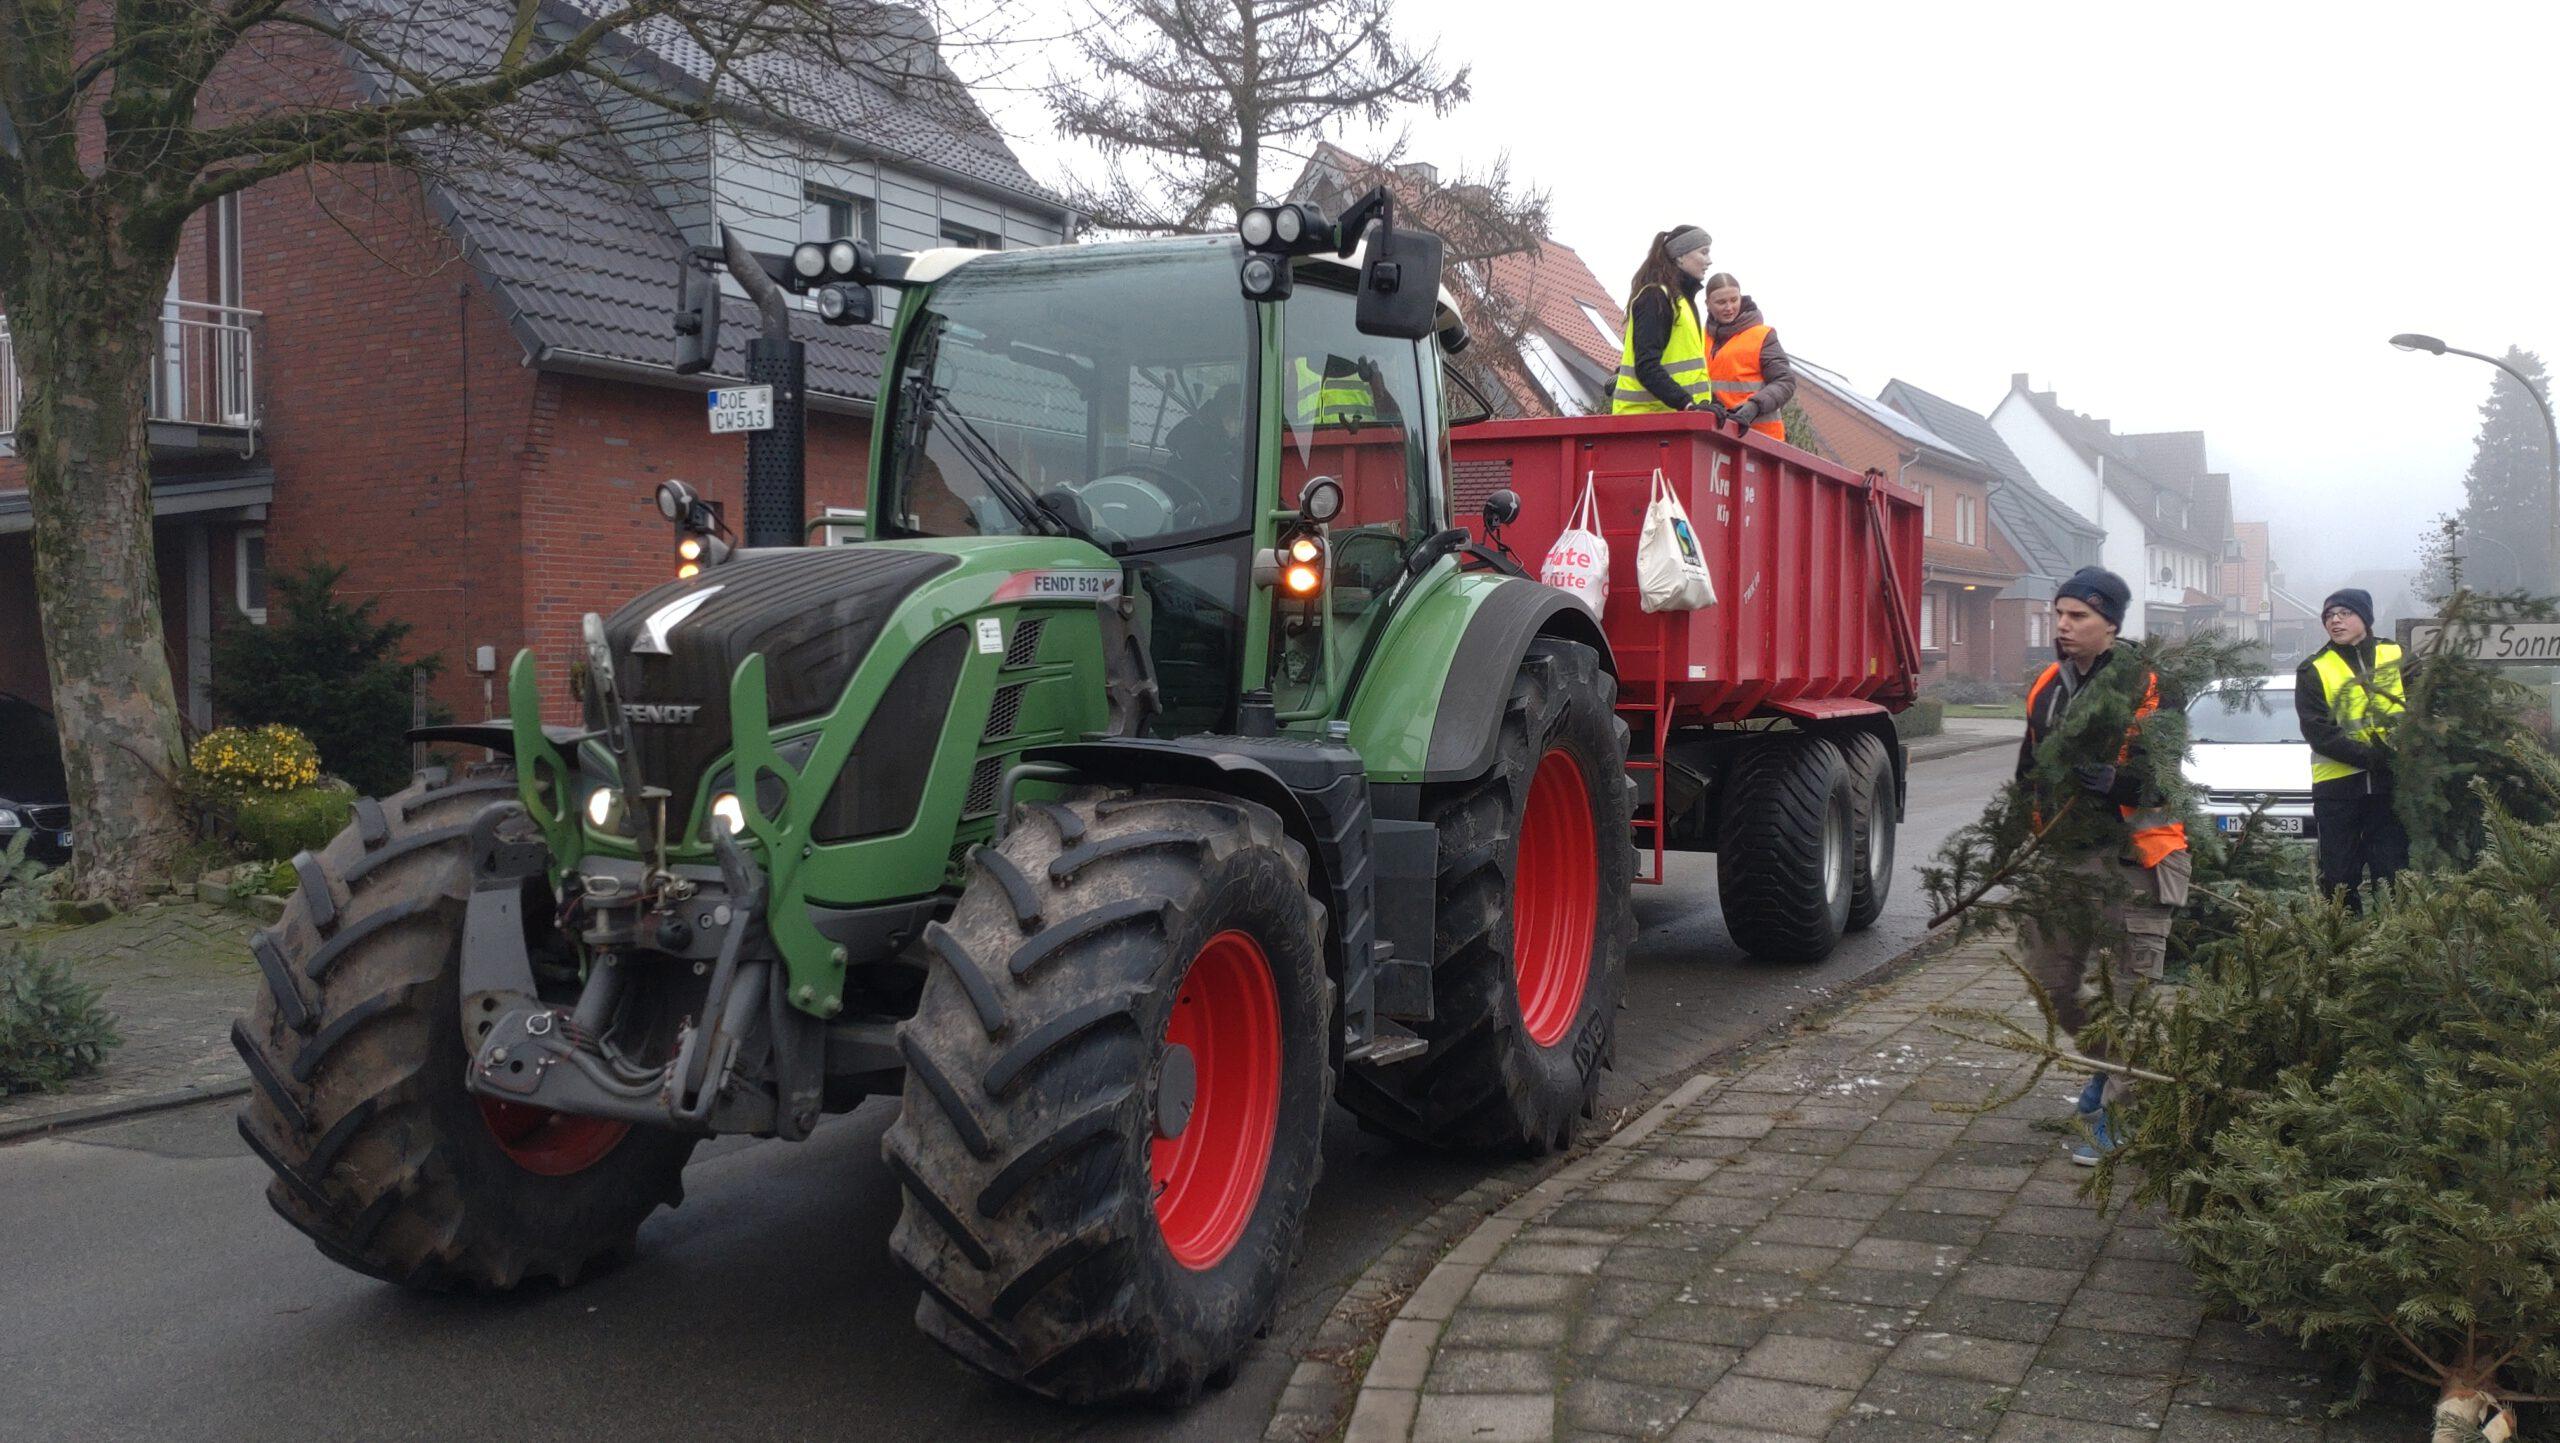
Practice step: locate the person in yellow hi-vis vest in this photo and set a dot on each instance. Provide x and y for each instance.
(2346, 697)
(1336, 395)
(1745, 364)
(1662, 363)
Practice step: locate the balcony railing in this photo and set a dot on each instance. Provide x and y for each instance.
(204, 376)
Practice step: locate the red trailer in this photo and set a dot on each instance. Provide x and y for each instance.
(1760, 727)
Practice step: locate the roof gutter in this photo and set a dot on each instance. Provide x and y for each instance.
(615, 368)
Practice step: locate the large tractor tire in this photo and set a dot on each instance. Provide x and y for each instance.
(1115, 1097)
(1534, 919)
(356, 1058)
(1873, 815)
(1785, 848)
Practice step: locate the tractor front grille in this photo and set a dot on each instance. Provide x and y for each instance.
(1025, 647)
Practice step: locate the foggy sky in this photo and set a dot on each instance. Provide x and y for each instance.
(2178, 216)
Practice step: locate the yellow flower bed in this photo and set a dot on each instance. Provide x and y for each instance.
(271, 758)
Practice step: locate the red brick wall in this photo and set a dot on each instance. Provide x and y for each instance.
(592, 534)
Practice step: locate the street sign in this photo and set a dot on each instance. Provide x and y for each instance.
(741, 408)
(2499, 643)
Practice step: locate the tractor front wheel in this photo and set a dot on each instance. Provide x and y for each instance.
(1115, 1096)
(1534, 918)
(357, 1056)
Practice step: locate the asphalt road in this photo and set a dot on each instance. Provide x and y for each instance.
(147, 1292)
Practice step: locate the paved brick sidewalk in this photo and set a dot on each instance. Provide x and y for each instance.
(175, 976)
(1806, 1248)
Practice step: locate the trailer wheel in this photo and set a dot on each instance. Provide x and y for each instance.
(1534, 917)
(356, 1057)
(1872, 814)
(1785, 848)
(1115, 1096)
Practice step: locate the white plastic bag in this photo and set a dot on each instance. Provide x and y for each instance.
(1669, 569)
(1578, 564)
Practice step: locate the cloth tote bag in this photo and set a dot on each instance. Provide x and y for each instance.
(1670, 570)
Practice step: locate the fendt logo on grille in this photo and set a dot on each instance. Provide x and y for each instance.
(660, 713)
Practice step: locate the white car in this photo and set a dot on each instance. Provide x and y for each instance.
(2241, 751)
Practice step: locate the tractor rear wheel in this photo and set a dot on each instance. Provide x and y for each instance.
(1872, 816)
(1115, 1096)
(1785, 848)
(1534, 918)
(356, 1058)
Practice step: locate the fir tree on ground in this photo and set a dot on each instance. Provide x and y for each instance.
(329, 668)
(2507, 491)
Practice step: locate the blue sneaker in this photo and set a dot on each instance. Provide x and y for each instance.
(2102, 1137)
(2093, 1094)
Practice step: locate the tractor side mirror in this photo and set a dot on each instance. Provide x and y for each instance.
(1501, 509)
(1400, 285)
(697, 322)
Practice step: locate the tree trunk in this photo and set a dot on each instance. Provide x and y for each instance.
(85, 333)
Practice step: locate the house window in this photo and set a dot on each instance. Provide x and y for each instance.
(2036, 623)
(1958, 631)
(833, 215)
(1928, 510)
(249, 573)
(1929, 621)
(969, 237)
(1964, 520)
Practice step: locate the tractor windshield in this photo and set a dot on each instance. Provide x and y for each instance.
(1099, 392)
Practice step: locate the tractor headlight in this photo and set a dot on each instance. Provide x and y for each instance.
(1257, 227)
(809, 260)
(1265, 278)
(843, 257)
(731, 812)
(600, 807)
(1288, 224)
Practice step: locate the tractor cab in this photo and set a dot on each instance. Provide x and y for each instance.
(1129, 395)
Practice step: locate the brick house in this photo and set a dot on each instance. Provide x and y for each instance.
(2052, 539)
(1546, 332)
(1965, 562)
(461, 389)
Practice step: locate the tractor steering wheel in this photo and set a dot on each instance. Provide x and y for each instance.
(1135, 501)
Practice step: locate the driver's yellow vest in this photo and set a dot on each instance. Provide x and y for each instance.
(1684, 355)
(1326, 400)
(2362, 706)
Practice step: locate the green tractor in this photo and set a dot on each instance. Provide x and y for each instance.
(1158, 768)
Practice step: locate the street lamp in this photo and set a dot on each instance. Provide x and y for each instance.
(2412, 341)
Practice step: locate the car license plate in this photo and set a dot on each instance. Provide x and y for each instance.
(2275, 826)
(741, 408)
(64, 839)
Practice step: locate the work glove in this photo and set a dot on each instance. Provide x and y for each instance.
(2097, 778)
(1745, 414)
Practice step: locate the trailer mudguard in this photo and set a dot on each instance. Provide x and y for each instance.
(1430, 710)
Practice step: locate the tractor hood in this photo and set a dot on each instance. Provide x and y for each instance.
(814, 612)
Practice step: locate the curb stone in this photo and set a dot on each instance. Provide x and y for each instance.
(88, 1117)
(1328, 1382)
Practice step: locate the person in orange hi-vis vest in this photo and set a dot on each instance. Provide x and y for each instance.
(2144, 879)
(1745, 364)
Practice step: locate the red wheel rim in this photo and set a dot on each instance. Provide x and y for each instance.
(1208, 1179)
(1555, 899)
(547, 1143)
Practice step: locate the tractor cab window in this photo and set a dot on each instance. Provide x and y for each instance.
(1352, 408)
(1107, 391)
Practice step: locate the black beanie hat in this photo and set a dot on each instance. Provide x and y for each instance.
(2103, 590)
(2354, 599)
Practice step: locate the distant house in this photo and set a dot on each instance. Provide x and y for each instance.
(2163, 516)
(1965, 562)
(1546, 334)
(2051, 539)
(475, 432)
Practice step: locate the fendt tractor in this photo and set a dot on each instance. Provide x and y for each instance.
(1132, 792)
(1159, 766)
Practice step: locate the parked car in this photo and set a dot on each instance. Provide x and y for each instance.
(33, 795)
(2244, 751)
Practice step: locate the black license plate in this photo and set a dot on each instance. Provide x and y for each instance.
(62, 839)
